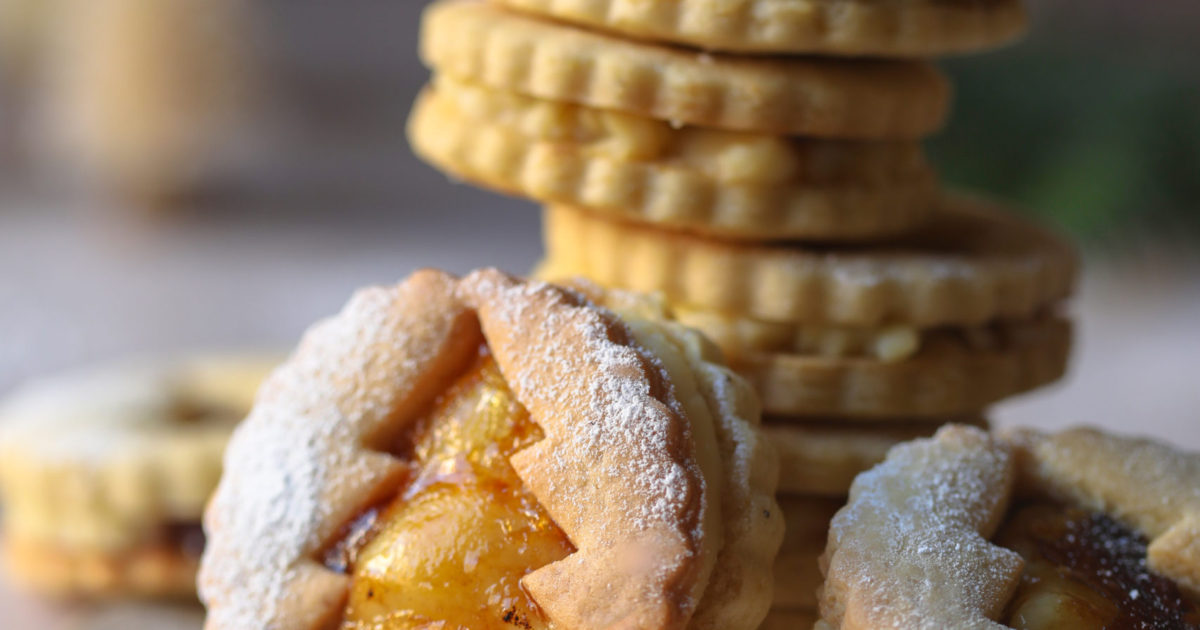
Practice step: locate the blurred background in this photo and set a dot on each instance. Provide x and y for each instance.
(179, 175)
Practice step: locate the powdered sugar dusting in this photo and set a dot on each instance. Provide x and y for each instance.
(623, 456)
(912, 545)
(299, 457)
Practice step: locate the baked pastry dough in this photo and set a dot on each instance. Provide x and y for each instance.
(913, 547)
(104, 473)
(650, 463)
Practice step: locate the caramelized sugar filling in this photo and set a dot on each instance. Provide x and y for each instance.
(1085, 570)
(451, 549)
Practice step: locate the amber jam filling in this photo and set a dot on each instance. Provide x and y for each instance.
(1085, 570)
(451, 549)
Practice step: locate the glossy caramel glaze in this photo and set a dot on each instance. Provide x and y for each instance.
(1085, 570)
(451, 549)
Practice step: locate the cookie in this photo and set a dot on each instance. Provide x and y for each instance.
(734, 185)
(104, 473)
(822, 458)
(948, 377)
(904, 28)
(620, 448)
(972, 263)
(1078, 529)
(875, 99)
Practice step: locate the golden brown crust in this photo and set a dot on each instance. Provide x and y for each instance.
(873, 99)
(632, 495)
(728, 185)
(913, 28)
(945, 378)
(910, 551)
(144, 571)
(973, 263)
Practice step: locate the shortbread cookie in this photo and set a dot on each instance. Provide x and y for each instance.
(453, 418)
(972, 263)
(728, 184)
(948, 377)
(902, 28)
(1079, 529)
(104, 474)
(822, 458)
(475, 41)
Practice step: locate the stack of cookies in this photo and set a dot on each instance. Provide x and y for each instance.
(758, 164)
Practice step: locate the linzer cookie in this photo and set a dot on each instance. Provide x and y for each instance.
(542, 461)
(875, 99)
(948, 376)
(901, 28)
(729, 184)
(1075, 530)
(104, 474)
(822, 457)
(972, 263)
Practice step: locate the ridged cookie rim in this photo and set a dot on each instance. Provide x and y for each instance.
(894, 29)
(1023, 270)
(864, 99)
(943, 380)
(671, 196)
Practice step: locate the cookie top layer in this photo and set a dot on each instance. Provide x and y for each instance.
(912, 548)
(621, 469)
(973, 262)
(904, 28)
(479, 42)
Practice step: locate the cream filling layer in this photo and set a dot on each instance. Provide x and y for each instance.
(733, 158)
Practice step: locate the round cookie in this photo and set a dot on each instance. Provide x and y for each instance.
(857, 99)
(104, 473)
(972, 263)
(732, 185)
(646, 453)
(1102, 528)
(903, 28)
